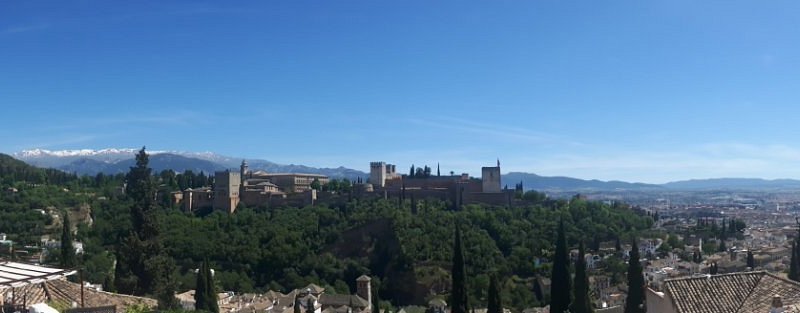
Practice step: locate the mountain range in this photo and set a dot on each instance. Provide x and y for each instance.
(114, 161)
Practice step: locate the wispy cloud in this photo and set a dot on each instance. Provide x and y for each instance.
(24, 28)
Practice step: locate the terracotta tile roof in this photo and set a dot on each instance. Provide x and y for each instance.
(66, 292)
(737, 292)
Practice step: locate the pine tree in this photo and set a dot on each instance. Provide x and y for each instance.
(494, 302)
(560, 291)
(68, 258)
(582, 302)
(143, 267)
(458, 292)
(634, 303)
(751, 262)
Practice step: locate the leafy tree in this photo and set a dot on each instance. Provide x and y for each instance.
(315, 184)
(634, 303)
(582, 302)
(458, 292)
(68, 259)
(494, 301)
(560, 291)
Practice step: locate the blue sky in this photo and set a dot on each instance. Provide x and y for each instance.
(648, 91)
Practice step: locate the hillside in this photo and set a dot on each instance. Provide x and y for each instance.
(734, 183)
(561, 183)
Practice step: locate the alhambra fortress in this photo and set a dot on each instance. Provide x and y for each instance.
(259, 188)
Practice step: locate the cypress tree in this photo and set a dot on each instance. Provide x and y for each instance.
(751, 262)
(211, 291)
(722, 247)
(794, 267)
(560, 291)
(634, 303)
(494, 302)
(581, 303)
(200, 294)
(376, 301)
(458, 292)
(68, 259)
(297, 304)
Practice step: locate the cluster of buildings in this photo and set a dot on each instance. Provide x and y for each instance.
(256, 188)
(310, 299)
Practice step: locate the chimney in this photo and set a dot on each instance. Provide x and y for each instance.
(777, 305)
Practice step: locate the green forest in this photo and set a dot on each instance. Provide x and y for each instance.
(406, 247)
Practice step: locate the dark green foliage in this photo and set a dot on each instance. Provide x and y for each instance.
(376, 300)
(16, 171)
(68, 259)
(302, 245)
(634, 303)
(560, 291)
(494, 302)
(143, 267)
(794, 266)
(751, 262)
(458, 290)
(713, 269)
(722, 247)
(200, 295)
(211, 290)
(582, 302)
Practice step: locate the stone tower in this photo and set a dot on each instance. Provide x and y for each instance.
(243, 171)
(226, 190)
(364, 288)
(490, 175)
(377, 174)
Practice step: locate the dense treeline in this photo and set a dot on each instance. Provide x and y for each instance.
(282, 248)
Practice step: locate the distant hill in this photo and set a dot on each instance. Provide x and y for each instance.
(733, 183)
(561, 183)
(114, 161)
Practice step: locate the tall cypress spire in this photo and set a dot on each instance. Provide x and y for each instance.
(560, 291)
(494, 302)
(581, 303)
(458, 292)
(634, 303)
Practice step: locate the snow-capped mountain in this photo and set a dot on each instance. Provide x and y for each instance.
(114, 161)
